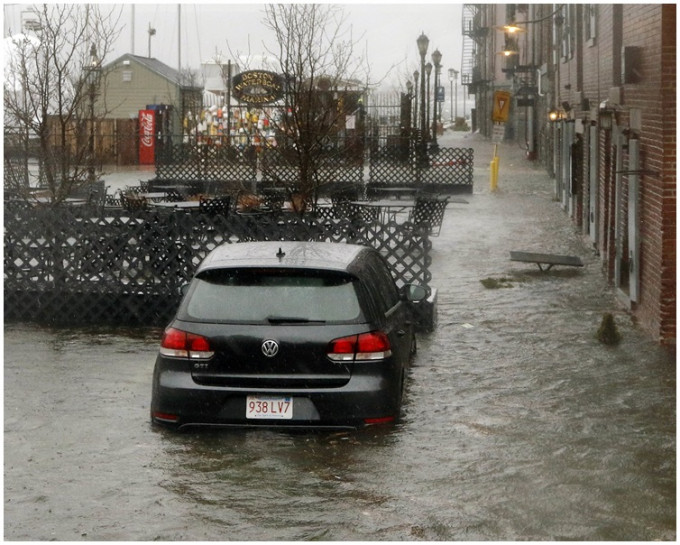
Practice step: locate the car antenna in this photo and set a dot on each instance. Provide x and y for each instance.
(280, 254)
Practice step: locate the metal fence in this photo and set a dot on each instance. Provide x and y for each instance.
(75, 266)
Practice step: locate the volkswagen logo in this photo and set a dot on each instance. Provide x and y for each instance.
(270, 348)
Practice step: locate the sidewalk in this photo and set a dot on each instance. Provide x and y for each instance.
(562, 307)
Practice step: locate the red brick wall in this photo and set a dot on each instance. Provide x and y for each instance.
(652, 28)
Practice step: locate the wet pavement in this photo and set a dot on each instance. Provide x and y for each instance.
(518, 424)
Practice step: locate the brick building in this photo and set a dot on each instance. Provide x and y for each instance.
(594, 100)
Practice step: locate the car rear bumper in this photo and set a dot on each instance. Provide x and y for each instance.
(370, 396)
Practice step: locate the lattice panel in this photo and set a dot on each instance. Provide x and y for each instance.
(448, 170)
(330, 167)
(202, 162)
(63, 266)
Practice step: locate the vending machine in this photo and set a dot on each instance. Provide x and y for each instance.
(154, 130)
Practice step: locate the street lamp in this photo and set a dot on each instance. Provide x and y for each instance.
(428, 72)
(423, 42)
(415, 92)
(93, 83)
(409, 94)
(437, 60)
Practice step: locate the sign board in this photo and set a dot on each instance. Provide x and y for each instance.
(501, 106)
(147, 140)
(441, 93)
(257, 87)
(498, 133)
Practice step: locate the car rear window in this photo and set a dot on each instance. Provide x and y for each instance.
(272, 296)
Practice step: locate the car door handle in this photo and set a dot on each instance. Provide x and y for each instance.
(401, 332)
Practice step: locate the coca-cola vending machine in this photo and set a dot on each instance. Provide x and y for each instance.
(155, 128)
(147, 137)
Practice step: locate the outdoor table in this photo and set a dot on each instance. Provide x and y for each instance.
(154, 196)
(388, 208)
(183, 205)
(397, 191)
(180, 188)
(72, 201)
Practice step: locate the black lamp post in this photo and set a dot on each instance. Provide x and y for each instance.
(415, 94)
(428, 71)
(437, 60)
(423, 42)
(93, 82)
(409, 94)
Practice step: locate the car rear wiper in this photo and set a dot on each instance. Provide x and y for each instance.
(292, 320)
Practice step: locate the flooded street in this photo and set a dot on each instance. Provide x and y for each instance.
(518, 424)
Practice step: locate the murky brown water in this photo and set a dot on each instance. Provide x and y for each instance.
(518, 423)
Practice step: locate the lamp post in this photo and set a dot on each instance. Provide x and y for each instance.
(423, 42)
(415, 93)
(437, 60)
(93, 82)
(409, 94)
(428, 71)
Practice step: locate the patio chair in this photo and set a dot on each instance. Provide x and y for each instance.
(429, 209)
(214, 206)
(133, 202)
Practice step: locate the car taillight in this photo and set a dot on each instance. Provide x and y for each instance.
(180, 344)
(366, 346)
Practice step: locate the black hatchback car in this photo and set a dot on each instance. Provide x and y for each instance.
(287, 334)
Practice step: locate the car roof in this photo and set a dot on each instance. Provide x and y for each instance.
(287, 254)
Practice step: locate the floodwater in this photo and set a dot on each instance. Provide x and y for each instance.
(518, 424)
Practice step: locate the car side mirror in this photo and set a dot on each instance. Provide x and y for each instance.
(415, 293)
(184, 288)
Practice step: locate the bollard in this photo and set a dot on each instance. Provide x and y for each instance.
(494, 170)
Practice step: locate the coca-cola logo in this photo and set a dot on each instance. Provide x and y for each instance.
(146, 129)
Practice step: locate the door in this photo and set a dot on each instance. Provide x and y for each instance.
(594, 186)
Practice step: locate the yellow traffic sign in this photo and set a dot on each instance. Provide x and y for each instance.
(501, 106)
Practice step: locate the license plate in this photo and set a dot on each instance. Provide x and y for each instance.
(269, 407)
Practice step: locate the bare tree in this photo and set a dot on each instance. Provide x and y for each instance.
(49, 90)
(316, 52)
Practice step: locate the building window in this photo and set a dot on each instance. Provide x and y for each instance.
(127, 75)
(568, 33)
(590, 23)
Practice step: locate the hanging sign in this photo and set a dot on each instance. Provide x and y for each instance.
(257, 87)
(501, 106)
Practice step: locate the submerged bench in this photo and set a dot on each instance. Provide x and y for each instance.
(546, 259)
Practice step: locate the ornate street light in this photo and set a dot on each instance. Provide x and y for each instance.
(423, 42)
(93, 74)
(415, 93)
(428, 72)
(437, 60)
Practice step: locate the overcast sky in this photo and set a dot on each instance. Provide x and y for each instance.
(387, 32)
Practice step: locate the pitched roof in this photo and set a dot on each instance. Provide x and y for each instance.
(154, 65)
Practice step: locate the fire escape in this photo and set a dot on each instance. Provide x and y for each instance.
(474, 62)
